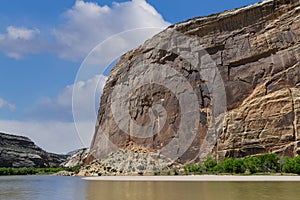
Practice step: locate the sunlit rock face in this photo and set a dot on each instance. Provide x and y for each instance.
(226, 85)
(19, 151)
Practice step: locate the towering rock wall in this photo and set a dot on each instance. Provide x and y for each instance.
(226, 85)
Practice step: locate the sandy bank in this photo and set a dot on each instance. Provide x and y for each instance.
(194, 178)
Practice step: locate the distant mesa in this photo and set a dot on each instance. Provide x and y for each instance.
(19, 151)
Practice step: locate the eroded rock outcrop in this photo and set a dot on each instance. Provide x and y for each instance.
(76, 158)
(127, 162)
(243, 67)
(19, 151)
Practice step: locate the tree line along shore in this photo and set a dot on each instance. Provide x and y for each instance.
(35, 171)
(260, 164)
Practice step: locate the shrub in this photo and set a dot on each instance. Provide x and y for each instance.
(218, 169)
(269, 162)
(194, 168)
(28, 171)
(209, 164)
(227, 165)
(291, 165)
(73, 169)
(175, 171)
(288, 165)
(238, 166)
(253, 164)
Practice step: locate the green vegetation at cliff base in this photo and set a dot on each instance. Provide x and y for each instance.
(35, 171)
(261, 164)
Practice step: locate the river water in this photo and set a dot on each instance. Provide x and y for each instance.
(74, 188)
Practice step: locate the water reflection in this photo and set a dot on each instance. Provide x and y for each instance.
(42, 188)
(109, 190)
(74, 188)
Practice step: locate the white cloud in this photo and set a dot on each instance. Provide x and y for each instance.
(21, 33)
(88, 24)
(6, 104)
(47, 126)
(18, 41)
(60, 108)
(87, 96)
(51, 126)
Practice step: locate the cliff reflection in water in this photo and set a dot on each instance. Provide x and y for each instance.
(75, 188)
(192, 190)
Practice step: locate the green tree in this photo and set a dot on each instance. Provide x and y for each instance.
(227, 165)
(289, 165)
(253, 164)
(238, 166)
(269, 162)
(209, 164)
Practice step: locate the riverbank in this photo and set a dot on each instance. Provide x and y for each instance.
(195, 178)
(38, 171)
(127, 163)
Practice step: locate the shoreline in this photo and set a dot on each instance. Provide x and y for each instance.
(195, 178)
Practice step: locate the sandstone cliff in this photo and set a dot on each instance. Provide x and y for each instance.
(76, 158)
(19, 151)
(223, 85)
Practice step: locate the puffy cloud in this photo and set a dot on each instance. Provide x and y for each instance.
(60, 108)
(18, 41)
(87, 96)
(6, 104)
(51, 124)
(21, 33)
(88, 24)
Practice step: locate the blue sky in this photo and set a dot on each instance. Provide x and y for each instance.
(42, 46)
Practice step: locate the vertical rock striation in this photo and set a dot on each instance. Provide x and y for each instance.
(252, 54)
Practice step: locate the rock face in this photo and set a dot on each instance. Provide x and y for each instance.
(76, 158)
(18, 151)
(241, 66)
(127, 162)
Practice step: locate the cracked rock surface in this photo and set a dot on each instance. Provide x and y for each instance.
(255, 50)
